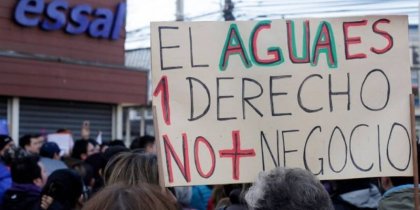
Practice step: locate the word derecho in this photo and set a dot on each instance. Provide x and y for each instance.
(98, 23)
(323, 43)
(327, 95)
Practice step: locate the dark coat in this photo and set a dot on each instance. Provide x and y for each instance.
(22, 197)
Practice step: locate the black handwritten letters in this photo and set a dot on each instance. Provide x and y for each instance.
(317, 94)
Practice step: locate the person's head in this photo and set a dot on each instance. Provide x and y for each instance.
(63, 131)
(228, 188)
(122, 197)
(288, 188)
(112, 151)
(86, 172)
(28, 170)
(13, 154)
(116, 142)
(82, 149)
(50, 150)
(132, 169)
(31, 143)
(103, 147)
(96, 146)
(65, 187)
(5, 143)
(97, 162)
(146, 143)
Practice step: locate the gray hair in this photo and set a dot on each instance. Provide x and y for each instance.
(288, 189)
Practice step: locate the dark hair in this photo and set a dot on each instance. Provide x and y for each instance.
(349, 185)
(111, 151)
(65, 187)
(396, 181)
(93, 142)
(235, 196)
(135, 144)
(4, 140)
(25, 170)
(104, 144)
(85, 171)
(13, 154)
(228, 188)
(97, 162)
(123, 197)
(79, 148)
(116, 142)
(26, 139)
(63, 130)
(142, 142)
(49, 149)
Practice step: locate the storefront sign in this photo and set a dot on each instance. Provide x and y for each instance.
(57, 15)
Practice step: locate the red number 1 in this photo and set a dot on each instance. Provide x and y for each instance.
(162, 87)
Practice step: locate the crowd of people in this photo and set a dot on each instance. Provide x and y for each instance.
(111, 176)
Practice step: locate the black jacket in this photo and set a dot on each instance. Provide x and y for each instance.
(22, 197)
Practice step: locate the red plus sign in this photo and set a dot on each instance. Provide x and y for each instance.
(236, 153)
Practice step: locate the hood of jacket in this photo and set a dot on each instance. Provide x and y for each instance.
(365, 198)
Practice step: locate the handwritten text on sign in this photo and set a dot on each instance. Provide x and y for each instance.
(327, 95)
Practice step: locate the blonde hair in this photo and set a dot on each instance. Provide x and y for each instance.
(127, 197)
(132, 169)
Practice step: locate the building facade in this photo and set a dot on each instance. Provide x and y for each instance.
(62, 63)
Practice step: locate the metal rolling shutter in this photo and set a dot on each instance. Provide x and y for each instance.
(46, 116)
(3, 108)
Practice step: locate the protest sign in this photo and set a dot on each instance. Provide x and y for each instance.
(327, 95)
(64, 141)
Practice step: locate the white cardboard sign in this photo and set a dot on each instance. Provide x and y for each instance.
(327, 95)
